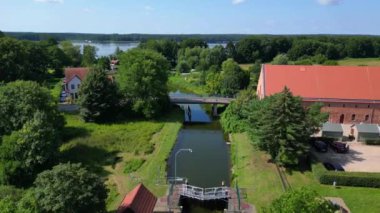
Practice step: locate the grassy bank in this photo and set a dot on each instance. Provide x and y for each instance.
(253, 172)
(359, 62)
(263, 184)
(187, 84)
(109, 149)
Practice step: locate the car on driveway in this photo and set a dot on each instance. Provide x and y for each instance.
(320, 146)
(333, 166)
(340, 147)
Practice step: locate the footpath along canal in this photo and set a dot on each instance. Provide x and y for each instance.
(208, 163)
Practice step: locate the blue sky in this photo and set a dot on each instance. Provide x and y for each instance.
(192, 16)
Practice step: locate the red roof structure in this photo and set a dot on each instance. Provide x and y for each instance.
(139, 200)
(322, 83)
(71, 72)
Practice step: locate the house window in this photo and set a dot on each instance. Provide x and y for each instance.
(366, 118)
(356, 106)
(329, 105)
(369, 106)
(78, 86)
(72, 86)
(353, 117)
(344, 105)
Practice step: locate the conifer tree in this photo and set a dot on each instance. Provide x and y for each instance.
(98, 97)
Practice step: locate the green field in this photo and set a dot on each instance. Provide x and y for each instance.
(107, 149)
(186, 83)
(359, 62)
(245, 66)
(263, 183)
(254, 173)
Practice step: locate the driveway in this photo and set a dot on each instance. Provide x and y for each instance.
(360, 158)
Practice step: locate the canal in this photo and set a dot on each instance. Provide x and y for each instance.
(208, 163)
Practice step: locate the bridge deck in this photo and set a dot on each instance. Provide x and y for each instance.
(200, 100)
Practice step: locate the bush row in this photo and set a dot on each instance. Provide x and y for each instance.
(361, 179)
(372, 142)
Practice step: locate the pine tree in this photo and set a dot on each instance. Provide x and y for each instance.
(98, 97)
(284, 128)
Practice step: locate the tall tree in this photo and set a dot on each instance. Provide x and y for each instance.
(283, 127)
(70, 188)
(231, 50)
(143, 76)
(20, 100)
(28, 151)
(98, 97)
(234, 78)
(72, 52)
(281, 59)
(89, 55)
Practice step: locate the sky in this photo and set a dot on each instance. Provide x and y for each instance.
(192, 16)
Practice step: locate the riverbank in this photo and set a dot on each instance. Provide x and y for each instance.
(262, 183)
(187, 84)
(111, 149)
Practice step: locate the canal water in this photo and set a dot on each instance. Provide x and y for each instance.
(208, 163)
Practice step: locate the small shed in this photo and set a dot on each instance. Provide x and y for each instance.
(332, 130)
(139, 200)
(368, 132)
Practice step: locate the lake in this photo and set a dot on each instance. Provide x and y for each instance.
(108, 48)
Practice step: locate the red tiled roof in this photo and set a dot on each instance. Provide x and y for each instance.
(71, 72)
(324, 82)
(139, 200)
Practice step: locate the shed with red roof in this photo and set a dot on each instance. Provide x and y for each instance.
(139, 200)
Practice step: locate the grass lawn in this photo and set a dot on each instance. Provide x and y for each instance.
(245, 66)
(187, 84)
(254, 173)
(263, 183)
(55, 86)
(108, 149)
(360, 62)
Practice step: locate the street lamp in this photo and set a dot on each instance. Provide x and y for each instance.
(175, 162)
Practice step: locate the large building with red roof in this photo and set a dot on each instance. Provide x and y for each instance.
(350, 94)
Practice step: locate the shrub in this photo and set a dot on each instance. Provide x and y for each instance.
(360, 179)
(372, 142)
(133, 165)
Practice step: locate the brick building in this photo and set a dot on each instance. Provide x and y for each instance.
(350, 94)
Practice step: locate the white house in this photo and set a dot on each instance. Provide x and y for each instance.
(73, 80)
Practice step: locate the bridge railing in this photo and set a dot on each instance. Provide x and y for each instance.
(214, 193)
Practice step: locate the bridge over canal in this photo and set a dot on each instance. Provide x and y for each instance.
(200, 100)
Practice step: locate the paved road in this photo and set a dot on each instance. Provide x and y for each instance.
(68, 107)
(360, 158)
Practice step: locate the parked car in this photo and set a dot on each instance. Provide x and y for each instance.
(320, 146)
(333, 166)
(340, 147)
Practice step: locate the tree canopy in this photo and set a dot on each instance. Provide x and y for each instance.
(83, 191)
(98, 97)
(28, 151)
(89, 55)
(19, 100)
(301, 200)
(143, 76)
(234, 78)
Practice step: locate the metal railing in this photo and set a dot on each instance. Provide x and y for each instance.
(198, 193)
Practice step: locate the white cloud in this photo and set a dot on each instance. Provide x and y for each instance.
(87, 10)
(50, 1)
(148, 8)
(329, 2)
(238, 1)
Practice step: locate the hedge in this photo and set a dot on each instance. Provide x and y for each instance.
(372, 142)
(361, 179)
